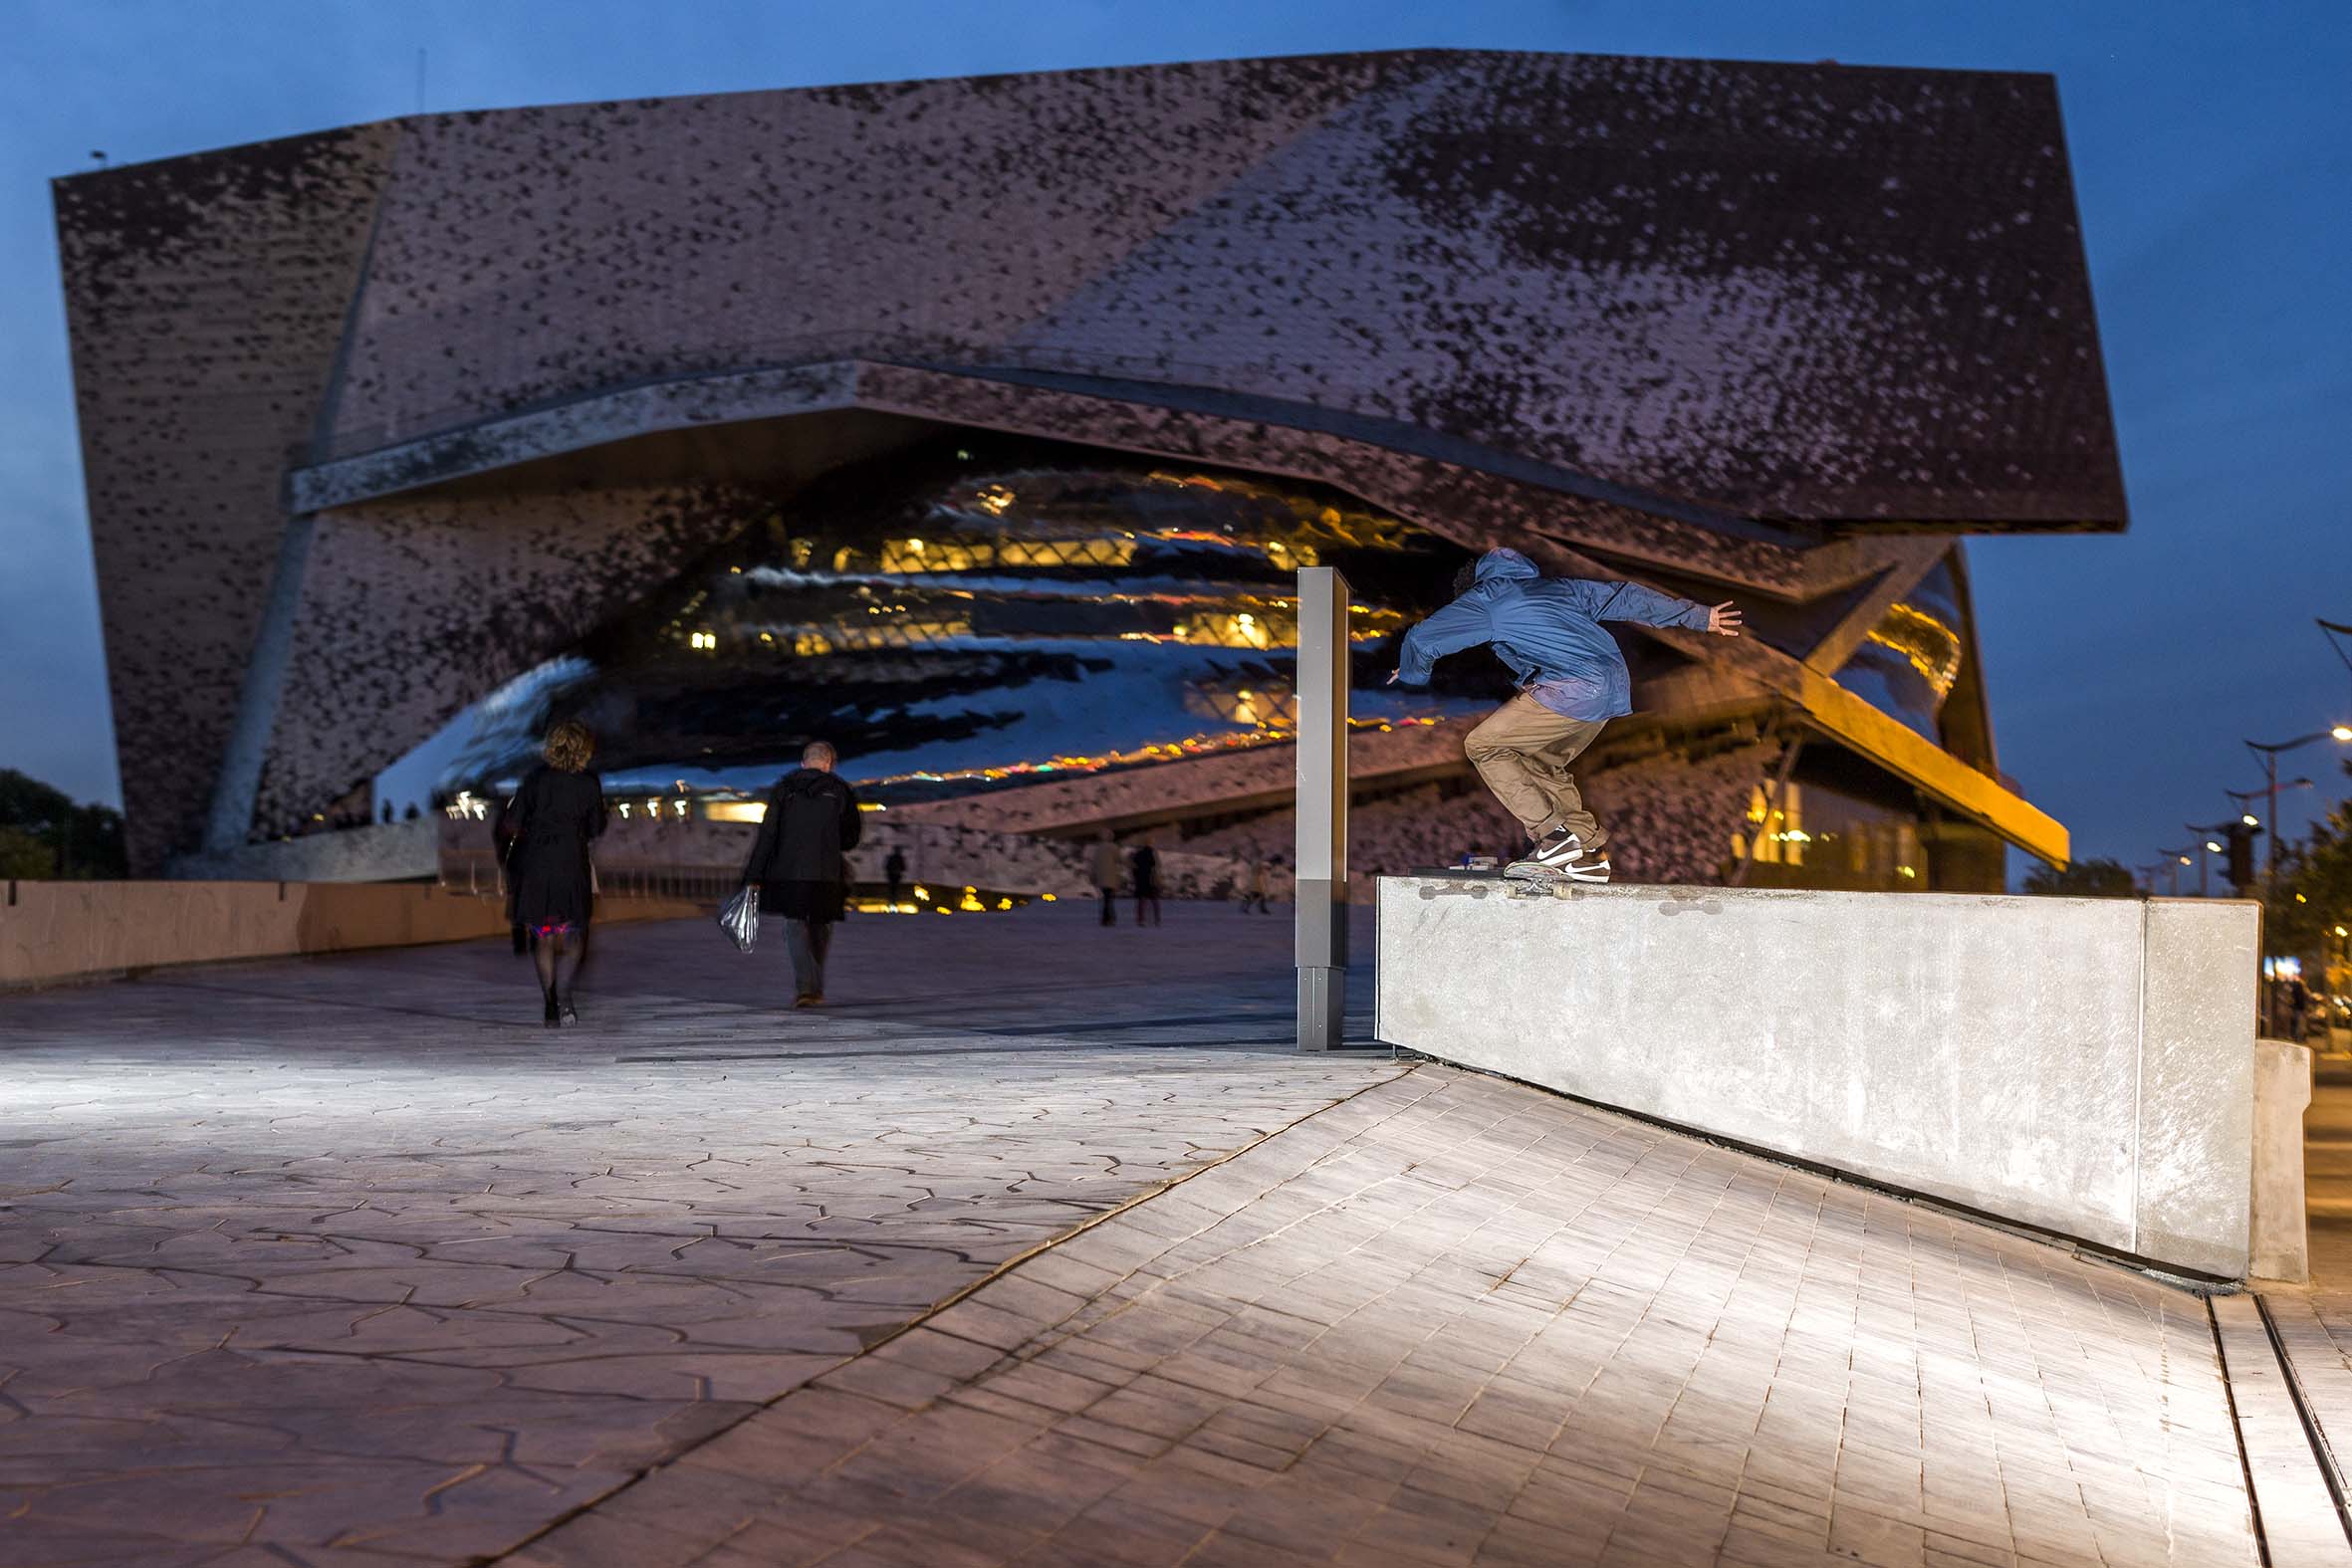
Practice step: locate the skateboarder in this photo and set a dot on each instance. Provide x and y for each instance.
(1571, 682)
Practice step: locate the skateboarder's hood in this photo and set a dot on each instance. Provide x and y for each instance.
(1496, 564)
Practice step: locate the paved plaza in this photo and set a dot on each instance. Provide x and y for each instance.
(1041, 1246)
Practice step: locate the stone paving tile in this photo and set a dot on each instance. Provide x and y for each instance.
(1453, 1320)
(351, 1262)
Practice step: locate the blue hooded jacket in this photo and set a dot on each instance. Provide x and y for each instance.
(1548, 630)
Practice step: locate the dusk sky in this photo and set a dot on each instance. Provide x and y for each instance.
(2212, 154)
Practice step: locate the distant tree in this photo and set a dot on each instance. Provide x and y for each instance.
(2084, 879)
(80, 841)
(2313, 893)
(23, 857)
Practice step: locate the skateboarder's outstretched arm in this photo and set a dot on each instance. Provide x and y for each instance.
(1631, 602)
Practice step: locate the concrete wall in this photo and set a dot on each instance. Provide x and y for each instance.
(2078, 1064)
(58, 932)
(378, 852)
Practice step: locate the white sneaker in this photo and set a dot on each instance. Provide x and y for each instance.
(1553, 857)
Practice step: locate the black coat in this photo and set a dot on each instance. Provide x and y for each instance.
(811, 822)
(551, 819)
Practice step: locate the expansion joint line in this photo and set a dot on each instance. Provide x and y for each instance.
(2246, 1463)
(2323, 1453)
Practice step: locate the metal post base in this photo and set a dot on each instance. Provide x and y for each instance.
(1323, 999)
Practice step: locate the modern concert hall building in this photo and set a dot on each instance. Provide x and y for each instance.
(978, 426)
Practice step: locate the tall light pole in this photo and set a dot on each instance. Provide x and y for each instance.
(2205, 861)
(2178, 859)
(2268, 753)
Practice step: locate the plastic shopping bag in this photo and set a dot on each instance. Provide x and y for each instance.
(739, 917)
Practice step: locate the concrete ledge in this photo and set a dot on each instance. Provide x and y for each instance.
(59, 933)
(2082, 1066)
(378, 853)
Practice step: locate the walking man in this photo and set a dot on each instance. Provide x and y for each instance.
(811, 822)
(1104, 868)
(1573, 681)
(894, 874)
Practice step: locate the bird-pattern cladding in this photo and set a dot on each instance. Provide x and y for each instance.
(1806, 293)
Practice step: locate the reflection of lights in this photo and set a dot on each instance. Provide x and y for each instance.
(1048, 898)
(703, 639)
(1905, 871)
(678, 806)
(622, 806)
(2340, 931)
(923, 893)
(1164, 751)
(1006, 903)
(1931, 647)
(2300, 899)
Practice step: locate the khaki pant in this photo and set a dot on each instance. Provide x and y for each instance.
(1523, 751)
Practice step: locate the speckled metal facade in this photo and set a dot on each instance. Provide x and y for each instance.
(1709, 316)
(206, 298)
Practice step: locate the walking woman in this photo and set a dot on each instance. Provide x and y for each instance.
(550, 821)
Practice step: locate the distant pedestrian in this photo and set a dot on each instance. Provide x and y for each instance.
(811, 822)
(1144, 867)
(894, 875)
(1104, 868)
(551, 821)
(1254, 886)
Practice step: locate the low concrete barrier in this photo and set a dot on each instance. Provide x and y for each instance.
(2281, 1236)
(2083, 1065)
(53, 933)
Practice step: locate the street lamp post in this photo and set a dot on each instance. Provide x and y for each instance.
(2269, 752)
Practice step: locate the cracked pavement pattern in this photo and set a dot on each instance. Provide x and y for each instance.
(1456, 1320)
(350, 1263)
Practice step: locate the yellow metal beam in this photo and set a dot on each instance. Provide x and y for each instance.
(1908, 755)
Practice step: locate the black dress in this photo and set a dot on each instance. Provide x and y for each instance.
(811, 822)
(553, 817)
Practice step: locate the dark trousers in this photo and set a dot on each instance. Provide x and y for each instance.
(808, 941)
(1110, 906)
